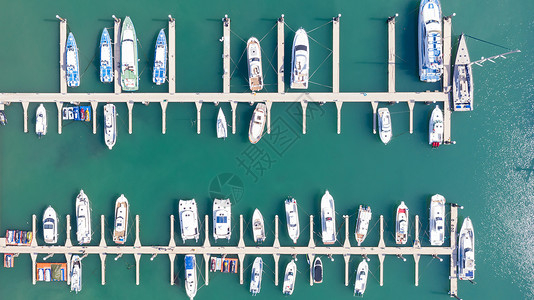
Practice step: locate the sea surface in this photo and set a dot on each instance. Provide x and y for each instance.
(490, 169)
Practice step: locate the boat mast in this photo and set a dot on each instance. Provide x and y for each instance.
(481, 60)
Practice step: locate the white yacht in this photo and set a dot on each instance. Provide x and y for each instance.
(222, 219)
(385, 129)
(50, 226)
(292, 216)
(462, 82)
(255, 73)
(222, 127)
(188, 212)
(255, 276)
(466, 251)
(83, 219)
(40, 121)
(437, 220)
(289, 278)
(300, 60)
(401, 224)
(435, 128)
(362, 224)
(258, 227)
(120, 231)
(257, 123)
(190, 276)
(361, 278)
(430, 41)
(328, 219)
(110, 125)
(317, 272)
(76, 274)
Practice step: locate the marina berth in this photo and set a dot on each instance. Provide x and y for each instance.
(106, 58)
(50, 225)
(187, 210)
(257, 123)
(385, 129)
(159, 75)
(73, 63)
(222, 219)
(258, 227)
(41, 122)
(435, 128)
(300, 60)
(437, 220)
(255, 276)
(129, 62)
(466, 251)
(462, 79)
(328, 219)
(430, 35)
(120, 230)
(292, 218)
(83, 219)
(289, 278)
(255, 73)
(401, 224)
(110, 125)
(190, 276)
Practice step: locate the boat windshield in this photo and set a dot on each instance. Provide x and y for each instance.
(301, 47)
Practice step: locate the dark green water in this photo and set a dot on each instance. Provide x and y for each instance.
(488, 170)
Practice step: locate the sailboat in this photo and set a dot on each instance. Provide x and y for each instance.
(300, 60)
(50, 225)
(83, 219)
(385, 129)
(222, 127)
(40, 121)
(73, 64)
(160, 59)
(430, 41)
(292, 217)
(76, 274)
(255, 74)
(435, 128)
(437, 220)
(188, 212)
(401, 224)
(110, 125)
(362, 224)
(129, 63)
(289, 278)
(190, 276)
(361, 278)
(120, 231)
(222, 219)
(466, 251)
(257, 123)
(258, 227)
(255, 276)
(328, 219)
(106, 58)
(462, 82)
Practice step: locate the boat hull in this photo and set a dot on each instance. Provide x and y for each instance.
(292, 218)
(362, 224)
(258, 227)
(430, 41)
(83, 219)
(120, 230)
(50, 226)
(317, 270)
(328, 219)
(73, 64)
(437, 220)
(188, 212)
(129, 62)
(289, 278)
(462, 80)
(222, 127)
(361, 278)
(466, 251)
(300, 60)
(401, 224)
(257, 123)
(435, 128)
(41, 122)
(190, 276)
(159, 75)
(255, 73)
(110, 125)
(385, 129)
(256, 276)
(222, 219)
(106, 58)
(76, 274)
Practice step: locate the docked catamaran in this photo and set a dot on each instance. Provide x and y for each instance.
(437, 220)
(300, 60)
(362, 224)
(361, 278)
(385, 131)
(435, 128)
(160, 59)
(41, 122)
(292, 217)
(190, 276)
(76, 274)
(462, 80)
(255, 276)
(466, 251)
(222, 127)
(255, 73)
(110, 125)
(129, 63)
(83, 219)
(289, 278)
(257, 123)
(50, 226)
(258, 227)
(222, 219)
(430, 41)
(328, 219)
(106, 58)
(188, 212)
(120, 231)
(73, 63)
(401, 224)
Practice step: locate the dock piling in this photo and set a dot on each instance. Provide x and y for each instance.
(25, 105)
(226, 54)
(117, 54)
(198, 105)
(338, 106)
(276, 243)
(94, 106)
(454, 257)
(130, 117)
(304, 104)
(59, 106)
(281, 48)
(346, 245)
(241, 245)
(172, 57)
(163, 116)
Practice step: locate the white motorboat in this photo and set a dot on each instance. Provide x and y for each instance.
(435, 128)
(76, 274)
(466, 251)
(222, 219)
(430, 41)
(292, 217)
(462, 82)
(129, 61)
(289, 278)
(188, 212)
(110, 125)
(362, 224)
(83, 219)
(257, 123)
(255, 73)
(50, 226)
(222, 127)
(437, 220)
(190, 276)
(40, 121)
(300, 60)
(255, 276)
(401, 224)
(328, 219)
(317, 270)
(120, 231)
(361, 278)
(258, 227)
(385, 129)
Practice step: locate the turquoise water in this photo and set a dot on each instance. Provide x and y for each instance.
(488, 170)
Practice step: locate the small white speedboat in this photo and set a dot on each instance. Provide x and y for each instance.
(50, 226)
(40, 121)
(120, 230)
(83, 219)
(300, 60)
(437, 220)
(361, 278)
(188, 212)
(190, 276)
(317, 270)
(401, 224)
(222, 219)
(362, 224)
(257, 123)
(222, 127)
(110, 125)
(258, 227)
(292, 217)
(328, 219)
(384, 125)
(255, 74)
(76, 274)
(289, 278)
(466, 251)
(255, 276)
(435, 128)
